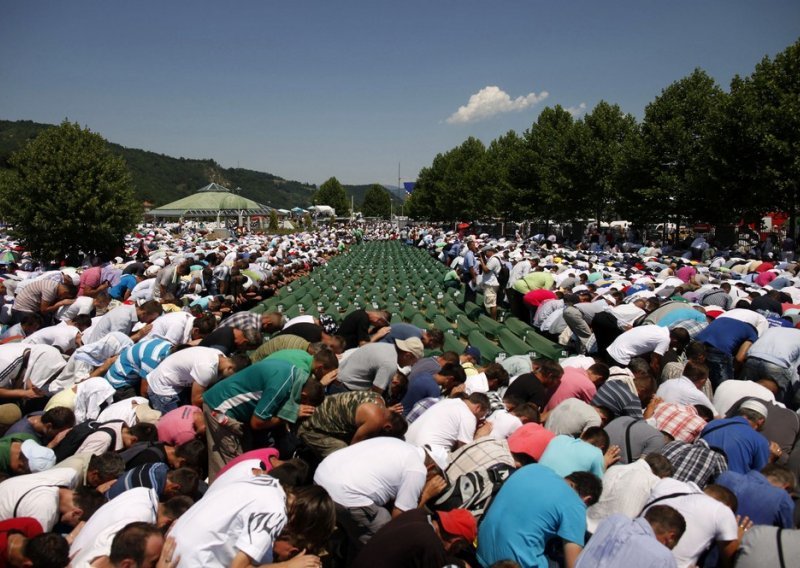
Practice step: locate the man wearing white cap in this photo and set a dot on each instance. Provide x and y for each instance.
(738, 437)
(20, 454)
(364, 477)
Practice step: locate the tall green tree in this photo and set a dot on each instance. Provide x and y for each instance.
(502, 163)
(758, 141)
(377, 202)
(676, 152)
(332, 193)
(273, 220)
(604, 139)
(67, 193)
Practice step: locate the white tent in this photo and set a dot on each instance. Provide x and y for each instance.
(323, 210)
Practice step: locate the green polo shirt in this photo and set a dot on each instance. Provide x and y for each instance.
(5, 448)
(265, 389)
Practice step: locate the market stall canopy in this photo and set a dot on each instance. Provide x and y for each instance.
(211, 201)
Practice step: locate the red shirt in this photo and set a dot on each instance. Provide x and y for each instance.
(90, 278)
(28, 526)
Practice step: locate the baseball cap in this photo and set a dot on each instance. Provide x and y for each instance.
(411, 345)
(459, 522)
(530, 439)
(39, 457)
(473, 352)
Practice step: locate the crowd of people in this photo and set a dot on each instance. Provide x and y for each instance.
(150, 418)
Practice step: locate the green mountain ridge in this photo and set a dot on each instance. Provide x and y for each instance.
(162, 179)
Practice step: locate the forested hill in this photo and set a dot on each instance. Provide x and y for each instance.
(162, 179)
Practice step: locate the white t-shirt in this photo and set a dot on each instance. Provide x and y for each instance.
(682, 391)
(503, 424)
(139, 504)
(175, 327)
(143, 290)
(443, 424)
(626, 489)
(638, 341)
(707, 519)
(181, 369)
(81, 305)
(61, 336)
(299, 319)
(729, 393)
(124, 410)
(374, 472)
(244, 516)
(36, 495)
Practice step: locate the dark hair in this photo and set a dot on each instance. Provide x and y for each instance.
(780, 474)
(205, 324)
(240, 361)
(314, 392)
(435, 338)
(481, 400)
(177, 506)
(88, 500)
(549, 368)
(194, 455)
(397, 425)
(586, 485)
(131, 542)
(312, 518)
(704, 412)
(32, 319)
(70, 289)
(723, 495)
(327, 359)
(527, 410)
(144, 432)
(659, 465)
(152, 307)
(496, 372)
(186, 478)
(664, 518)
(455, 371)
(82, 321)
(600, 369)
(681, 336)
(108, 466)
(596, 436)
(291, 473)
(695, 349)
(695, 372)
(47, 550)
(59, 418)
(451, 357)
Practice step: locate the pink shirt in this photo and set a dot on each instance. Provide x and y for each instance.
(765, 278)
(686, 273)
(262, 454)
(575, 383)
(177, 426)
(90, 278)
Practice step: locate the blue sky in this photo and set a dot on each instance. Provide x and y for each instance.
(309, 90)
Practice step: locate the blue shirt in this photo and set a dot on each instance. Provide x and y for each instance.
(402, 331)
(422, 386)
(620, 541)
(758, 499)
(745, 448)
(727, 334)
(682, 314)
(565, 454)
(533, 506)
(136, 361)
(127, 282)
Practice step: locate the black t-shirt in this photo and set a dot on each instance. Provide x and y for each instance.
(407, 540)
(355, 328)
(767, 303)
(221, 339)
(311, 332)
(528, 388)
(134, 268)
(143, 453)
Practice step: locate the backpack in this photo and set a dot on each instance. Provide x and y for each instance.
(474, 490)
(129, 454)
(502, 277)
(75, 437)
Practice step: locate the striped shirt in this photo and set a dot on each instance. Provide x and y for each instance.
(32, 295)
(152, 475)
(136, 361)
(243, 321)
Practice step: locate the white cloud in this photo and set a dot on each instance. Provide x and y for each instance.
(490, 101)
(577, 111)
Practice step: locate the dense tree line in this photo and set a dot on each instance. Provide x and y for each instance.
(699, 154)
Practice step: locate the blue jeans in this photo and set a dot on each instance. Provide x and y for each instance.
(163, 403)
(720, 366)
